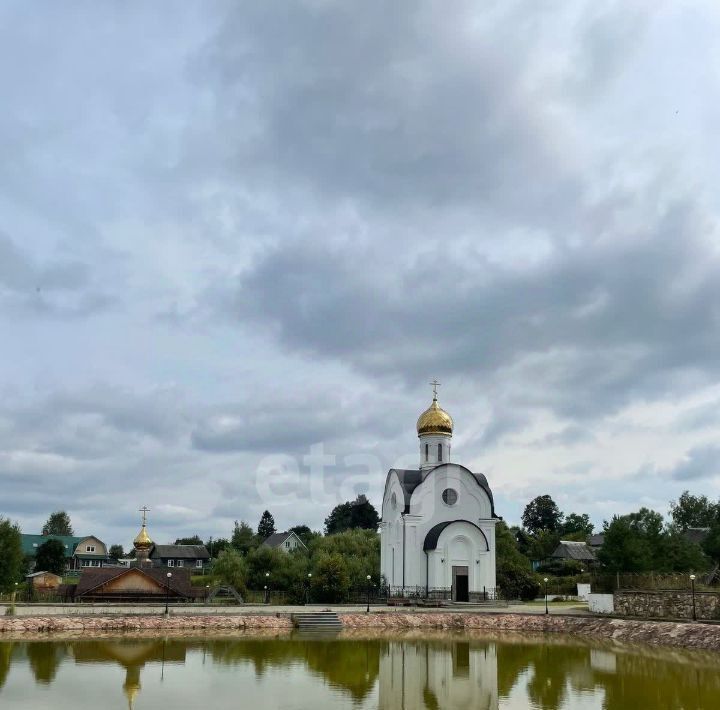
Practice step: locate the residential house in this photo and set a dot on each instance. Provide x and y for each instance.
(576, 551)
(190, 556)
(285, 541)
(135, 584)
(80, 552)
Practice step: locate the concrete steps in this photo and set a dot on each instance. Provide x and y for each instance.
(317, 621)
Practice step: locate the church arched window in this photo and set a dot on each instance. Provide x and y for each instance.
(427, 451)
(439, 452)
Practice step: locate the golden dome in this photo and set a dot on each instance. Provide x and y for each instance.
(142, 541)
(434, 420)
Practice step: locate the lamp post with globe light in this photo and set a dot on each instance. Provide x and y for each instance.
(307, 592)
(547, 611)
(167, 593)
(367, 611)
(692, 586)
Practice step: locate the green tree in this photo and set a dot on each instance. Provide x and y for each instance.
(216, 546)
(359, 513)
(678, 554)
(230, 568)
(58, 524)
(575, 523)
(50, 557)
(711, 544)
(194, 540)
(693, 511)
(514, 577)
(304, 533)
(542, 514)
(116, 552)
(330, 581)
(243, 538)
(625, 548)
(266, 526)
(12, 563)
(359, 548)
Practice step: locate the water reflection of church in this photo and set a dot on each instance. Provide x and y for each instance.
(399, 673)
(461, 674)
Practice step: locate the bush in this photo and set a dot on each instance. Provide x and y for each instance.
(331, 581)
(517, 583)
(230, 569)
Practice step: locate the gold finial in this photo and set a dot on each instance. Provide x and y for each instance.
(435, 384)
(143, 540)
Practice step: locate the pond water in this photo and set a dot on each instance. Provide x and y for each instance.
(349, 671)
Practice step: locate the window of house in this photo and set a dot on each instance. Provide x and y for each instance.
(35, 544)
(180, 563)
(90, 548)
(171, 563)
(439, 452)
(198, 563)
(287, 543)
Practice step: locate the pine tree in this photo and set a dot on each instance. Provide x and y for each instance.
(266, 527)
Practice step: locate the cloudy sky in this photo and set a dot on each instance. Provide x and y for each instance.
(238, 239)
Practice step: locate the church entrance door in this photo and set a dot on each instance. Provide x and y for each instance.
(461, 588)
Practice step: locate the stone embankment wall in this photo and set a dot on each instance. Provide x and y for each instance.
(683, 635)
(667, 604)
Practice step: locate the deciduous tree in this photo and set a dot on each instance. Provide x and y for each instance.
(58, 524)
(542, 514)
(50, 557)
(12, 564)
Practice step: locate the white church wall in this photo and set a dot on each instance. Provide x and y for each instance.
(427, 509)
(472, 501)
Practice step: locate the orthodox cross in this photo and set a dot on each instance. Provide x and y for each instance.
(144, 510)
(435, 384)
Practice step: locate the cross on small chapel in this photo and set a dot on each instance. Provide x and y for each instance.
(435, 384)
(144, 510)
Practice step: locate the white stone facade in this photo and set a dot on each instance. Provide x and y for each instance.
(438, 527)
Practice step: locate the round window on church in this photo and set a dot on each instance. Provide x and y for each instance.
(449, 496)
(393, 501)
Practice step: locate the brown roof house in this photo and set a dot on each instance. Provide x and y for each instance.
(136, 584)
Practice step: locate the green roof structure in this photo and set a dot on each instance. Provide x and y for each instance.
(30, 543)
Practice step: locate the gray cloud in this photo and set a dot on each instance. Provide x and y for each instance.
(700, 462)
(246, 228)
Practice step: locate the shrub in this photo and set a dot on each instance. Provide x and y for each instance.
(517, 583)
(330, 582)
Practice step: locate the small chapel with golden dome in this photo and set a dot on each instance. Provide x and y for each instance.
(438, 520)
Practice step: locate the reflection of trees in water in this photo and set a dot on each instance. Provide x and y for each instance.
(628, 678)
(549, 672)
(352, 666)
(6, 649)
(45, 658)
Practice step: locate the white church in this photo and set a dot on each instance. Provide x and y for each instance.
(438, 520)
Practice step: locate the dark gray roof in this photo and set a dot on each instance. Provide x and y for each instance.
(596, 540)
(431, 539)
(411, 478)
(570, 550)
(696, 535)
(278, 538)
(180, 552)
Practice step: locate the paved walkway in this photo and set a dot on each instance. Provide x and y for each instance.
(42, 610)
